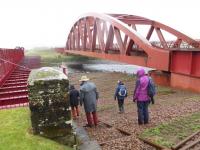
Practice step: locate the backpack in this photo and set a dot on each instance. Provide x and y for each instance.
(122, 91)
(151, 89)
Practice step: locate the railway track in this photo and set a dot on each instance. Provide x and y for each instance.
(192, 142)
(122, 134)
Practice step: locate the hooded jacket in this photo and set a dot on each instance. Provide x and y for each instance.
(140, 92)
(88, 96)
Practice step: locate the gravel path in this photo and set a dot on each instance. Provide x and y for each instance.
(169, 104)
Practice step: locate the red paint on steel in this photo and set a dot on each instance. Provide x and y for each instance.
(103, 34)
(161, 78)
(14, 89)
(127, 59)
(186, 62)
(185, 82)
(115, 37)
(196, 64)
(13, 78)
(11, 55)
(79, 37)
(181, 62)
(14, 106)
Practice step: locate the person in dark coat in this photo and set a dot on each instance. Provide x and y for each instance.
(89, 97)
(74, 101)
(120, 95)
(141, 96)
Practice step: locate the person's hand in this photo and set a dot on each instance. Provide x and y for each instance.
(152, 100)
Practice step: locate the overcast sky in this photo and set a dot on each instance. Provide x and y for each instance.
(37, 23)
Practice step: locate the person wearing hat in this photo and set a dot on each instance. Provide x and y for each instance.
(74, 101)
(89, 97)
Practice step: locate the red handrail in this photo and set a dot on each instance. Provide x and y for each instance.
(8, 60)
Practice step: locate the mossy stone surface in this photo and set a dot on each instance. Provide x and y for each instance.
(49, 103)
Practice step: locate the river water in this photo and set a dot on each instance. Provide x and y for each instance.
(105, 66)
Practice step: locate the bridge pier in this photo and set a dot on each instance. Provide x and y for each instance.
(161, 77)
(185, 82)
(175, 80)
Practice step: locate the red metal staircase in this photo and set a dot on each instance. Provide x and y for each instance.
(14, 72)
(14, 92)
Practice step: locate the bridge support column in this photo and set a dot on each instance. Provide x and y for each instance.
(175, 80)
(161, 78)
(185, 82)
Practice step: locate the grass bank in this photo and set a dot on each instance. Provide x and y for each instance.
(171, 133)
(15, 133)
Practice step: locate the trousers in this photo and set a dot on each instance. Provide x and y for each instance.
(143, 113)
(92, 118)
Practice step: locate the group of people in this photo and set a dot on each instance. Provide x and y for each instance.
(143, 95)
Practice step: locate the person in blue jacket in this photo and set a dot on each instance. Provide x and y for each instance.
(120, 95)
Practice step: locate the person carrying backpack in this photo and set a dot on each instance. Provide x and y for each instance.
(141, 96)
(151, 89)
(120, 95)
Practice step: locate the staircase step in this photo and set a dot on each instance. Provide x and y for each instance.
(13, 100)
(7, 94)
(22, 72)
(18, 71)
(14, 91)
(14, 105)
(13, 88)
(14, 83)
(15, 80)
(19, 74)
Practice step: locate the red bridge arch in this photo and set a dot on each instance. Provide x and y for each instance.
(115, 37)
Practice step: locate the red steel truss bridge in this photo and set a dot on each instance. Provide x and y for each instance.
(117, 37)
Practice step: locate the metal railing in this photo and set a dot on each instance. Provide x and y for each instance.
(8, 60)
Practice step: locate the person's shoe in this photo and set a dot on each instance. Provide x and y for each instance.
(140, 123)
(88, 126)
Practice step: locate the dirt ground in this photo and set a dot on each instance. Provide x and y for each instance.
(169, 104)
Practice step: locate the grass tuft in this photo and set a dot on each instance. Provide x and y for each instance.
(171, 133)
